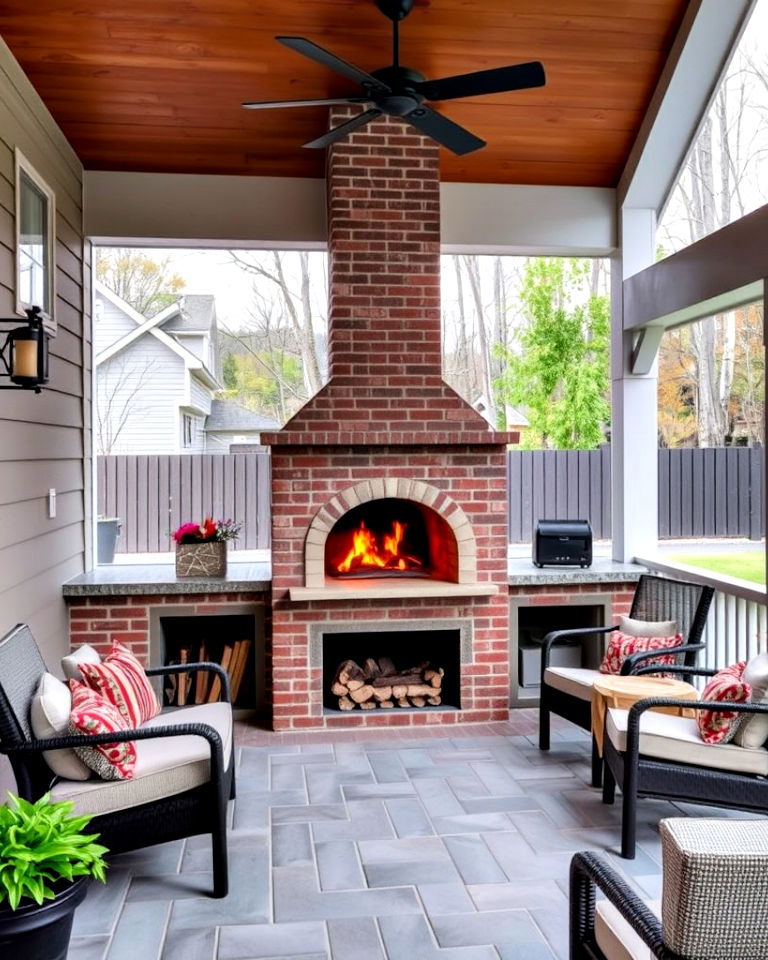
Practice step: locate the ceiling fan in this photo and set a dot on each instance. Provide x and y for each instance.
(399, 91)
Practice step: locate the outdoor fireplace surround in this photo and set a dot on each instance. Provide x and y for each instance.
(389, 491)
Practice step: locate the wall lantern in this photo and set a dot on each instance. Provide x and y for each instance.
(24, 353)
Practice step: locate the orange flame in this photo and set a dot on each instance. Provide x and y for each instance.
(365, 551)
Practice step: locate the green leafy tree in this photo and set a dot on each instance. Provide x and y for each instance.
(558, 370)
(229, 371)
(146, 284)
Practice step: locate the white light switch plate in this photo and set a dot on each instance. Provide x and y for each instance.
(52, 503)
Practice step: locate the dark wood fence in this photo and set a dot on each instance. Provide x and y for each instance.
(702, 492)
(153, 495)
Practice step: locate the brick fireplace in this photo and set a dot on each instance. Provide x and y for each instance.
(386, 439)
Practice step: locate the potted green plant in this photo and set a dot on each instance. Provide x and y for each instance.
(201, 549)
(46, 861)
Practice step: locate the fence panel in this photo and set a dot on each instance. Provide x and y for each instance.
(702, 492)
(153, 495)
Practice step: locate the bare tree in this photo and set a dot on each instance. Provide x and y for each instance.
(472, 269)
(120, 383)
(297, 305)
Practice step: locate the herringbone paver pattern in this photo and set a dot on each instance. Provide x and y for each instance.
(434, 849)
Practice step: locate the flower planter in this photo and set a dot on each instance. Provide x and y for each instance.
(201, 559)
(42, 932)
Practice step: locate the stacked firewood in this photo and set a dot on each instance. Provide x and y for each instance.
(380, 684)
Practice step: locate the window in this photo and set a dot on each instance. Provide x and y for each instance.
(34, 239)
(186, 430)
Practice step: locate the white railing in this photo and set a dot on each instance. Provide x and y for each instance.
(737, 626)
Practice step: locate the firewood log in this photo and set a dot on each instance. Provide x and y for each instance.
(368, 705)
(346, 704)
(355, 684)
(339, 689)
(418, 701)
(387, 667)
(410, 676)
(399, 690)
(382, 693)
(362, 693)
(349, 670)
(419, 690)
(403, 702)
(371, 669)
(434, 677)
(434, 701)
(386, 704)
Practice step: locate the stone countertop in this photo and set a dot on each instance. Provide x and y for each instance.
(122, 580)
(522, 573)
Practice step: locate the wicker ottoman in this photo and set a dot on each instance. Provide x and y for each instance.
(715, 900)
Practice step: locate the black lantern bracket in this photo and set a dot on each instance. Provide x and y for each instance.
(24, 352)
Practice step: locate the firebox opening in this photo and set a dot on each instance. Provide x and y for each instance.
(391, 537)
(406, 649)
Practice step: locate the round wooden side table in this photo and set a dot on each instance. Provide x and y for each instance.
(611, 690)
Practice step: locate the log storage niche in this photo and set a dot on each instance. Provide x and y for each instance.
(422, 673)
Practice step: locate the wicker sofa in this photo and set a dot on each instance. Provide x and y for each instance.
(714, 903)
(184, 773)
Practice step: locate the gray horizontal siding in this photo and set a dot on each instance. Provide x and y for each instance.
(42, 437)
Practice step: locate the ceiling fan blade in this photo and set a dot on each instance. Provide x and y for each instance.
(445, 131)
(309, 49)
(343, 129)
(521, 76)
(270, 104)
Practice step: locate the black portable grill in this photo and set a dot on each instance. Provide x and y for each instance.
(564, 543)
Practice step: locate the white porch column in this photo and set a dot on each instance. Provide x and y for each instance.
(634, 439)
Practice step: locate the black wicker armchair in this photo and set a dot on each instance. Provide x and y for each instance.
(170, 814)
(567, 692)
(717, 777)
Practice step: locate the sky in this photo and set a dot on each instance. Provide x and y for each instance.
(212, 271)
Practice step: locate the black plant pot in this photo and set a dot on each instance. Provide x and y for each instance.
(41, 933)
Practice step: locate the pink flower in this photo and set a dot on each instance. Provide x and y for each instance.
(187, 530)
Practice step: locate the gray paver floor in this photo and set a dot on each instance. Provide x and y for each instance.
(435, 849)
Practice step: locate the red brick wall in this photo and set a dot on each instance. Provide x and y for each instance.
(304, 480)
(384, 286)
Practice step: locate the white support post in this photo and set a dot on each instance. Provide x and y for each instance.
(634, 437)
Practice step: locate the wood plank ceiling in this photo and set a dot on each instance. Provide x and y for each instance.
(156, 85)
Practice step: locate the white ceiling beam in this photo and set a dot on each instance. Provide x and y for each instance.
(702, 48)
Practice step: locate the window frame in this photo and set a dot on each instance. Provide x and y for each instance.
(186, 431)
(23, 168)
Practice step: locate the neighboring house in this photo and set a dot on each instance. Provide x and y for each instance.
(155, 378)
(230, 422)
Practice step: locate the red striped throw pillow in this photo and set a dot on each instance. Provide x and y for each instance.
(121, 680)
(622, 645)
(728, 685)
(92, 714)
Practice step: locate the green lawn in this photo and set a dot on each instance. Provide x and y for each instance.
(745, 564)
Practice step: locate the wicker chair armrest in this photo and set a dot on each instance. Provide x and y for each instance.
(638, 709)
(205, 665)
(628, 666)
(556, 636)
(203, 730)
(676, 668)
(590, 871)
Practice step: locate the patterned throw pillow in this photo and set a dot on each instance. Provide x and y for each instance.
(121, 680)
(720, 726)
(91, 714)
(622, 645)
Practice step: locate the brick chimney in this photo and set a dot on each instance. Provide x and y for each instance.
(384, 324)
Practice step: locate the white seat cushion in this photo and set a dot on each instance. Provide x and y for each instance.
(677, 739)
(615, 936)
(577, 681)
(164, 767)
